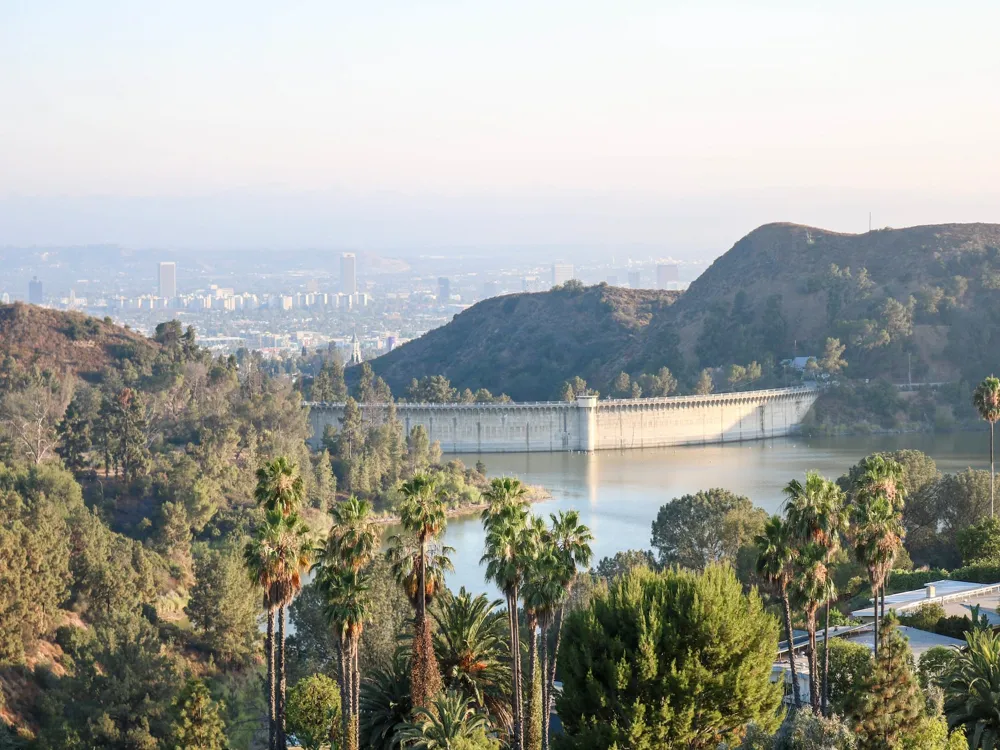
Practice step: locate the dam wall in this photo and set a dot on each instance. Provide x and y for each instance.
(589, 424)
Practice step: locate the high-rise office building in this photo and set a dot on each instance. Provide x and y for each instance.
(168, 280)
(635, 279)
(35, 295)
(348, 273)
(667, 273)
(444, 289)
(561, 273)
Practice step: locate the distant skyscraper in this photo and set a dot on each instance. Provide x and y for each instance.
(667, 273)
(168, 280)
(561, 273)
(635, 279)
(444, 289)
(348, 273)
(490, 289)
(35, 295)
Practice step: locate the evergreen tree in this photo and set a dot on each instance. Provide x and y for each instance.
(672, 659)
(704, 385)
(892, 702)
(198, 722)
(313, 712)
(222, 609)
(75, 429)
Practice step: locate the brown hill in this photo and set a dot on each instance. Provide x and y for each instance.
(525, 345)
(64, 341)
(922, 300)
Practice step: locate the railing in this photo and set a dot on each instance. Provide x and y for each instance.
(606, 402)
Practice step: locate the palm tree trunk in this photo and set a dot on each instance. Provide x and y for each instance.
(345, 689)
(515, 672)
(355, 700)
(813, 662)
(875, 590)
(555, 654)
(272, 737)
(826, 662)
(280, 697)
(546, 695)
(533, 733)
(992, 483)
(796, 691)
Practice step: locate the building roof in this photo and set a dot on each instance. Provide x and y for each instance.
(946, 593)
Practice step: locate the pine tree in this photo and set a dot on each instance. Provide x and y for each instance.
(892, 702)
(325, 494)
(199, 722)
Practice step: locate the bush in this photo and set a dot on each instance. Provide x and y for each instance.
(850, 665)
(980, 543)
(925, 617)
(934, 664)
(313, 711)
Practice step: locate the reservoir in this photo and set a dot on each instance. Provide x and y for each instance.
(618, 493)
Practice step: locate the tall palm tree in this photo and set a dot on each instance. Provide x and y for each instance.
(279, 485)
(880, 476)
(533, 601)
(545, 592)
(422, 513)
(449, 718)
(471, 645)
(877, 534)
(811, 585)
(347, 608)
(280, 493)
(508, 548)
(258, 556)
(350, 546)
(277, 557)
(987, 402)
(815, 516)
(775, 558)
(972, 690)
(572, 539)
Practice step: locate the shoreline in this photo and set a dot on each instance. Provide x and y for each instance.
(535, 494)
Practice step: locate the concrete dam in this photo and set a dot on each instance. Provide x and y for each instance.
(589, 424)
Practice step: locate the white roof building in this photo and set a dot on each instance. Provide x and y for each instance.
(957, 598)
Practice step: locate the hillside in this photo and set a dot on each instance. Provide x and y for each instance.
(65, 341)
(526, 344)
(922, 301)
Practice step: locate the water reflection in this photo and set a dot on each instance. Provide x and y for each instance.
(619, 493)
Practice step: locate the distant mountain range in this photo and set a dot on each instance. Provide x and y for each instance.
(921, 302)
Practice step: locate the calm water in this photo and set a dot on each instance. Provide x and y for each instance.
(619, 493)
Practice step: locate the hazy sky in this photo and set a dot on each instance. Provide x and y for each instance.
(423, 122)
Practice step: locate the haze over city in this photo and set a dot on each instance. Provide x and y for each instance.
(677, 127)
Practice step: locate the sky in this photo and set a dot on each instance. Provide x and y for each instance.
(394, 123)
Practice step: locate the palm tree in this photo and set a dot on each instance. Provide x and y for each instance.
(403, 553)
(972, 690)
(276, 557)
(987, 402)
(385, 703)
(815, 516)
(775, 557)
(438, 727)
(811, 585)
(422, 513)
(534, 573)
(880, 476)
(346, 590)
(545, 592)
(279, 486)
(471, 645)
(572, 539)
(258, 556)
(280, 492)
(829, 596)
(508, 548)
(877, 534)
(350, 546)
(354, 537)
